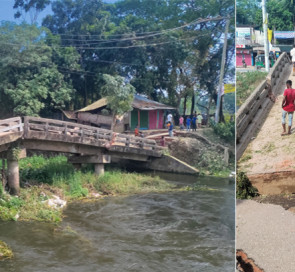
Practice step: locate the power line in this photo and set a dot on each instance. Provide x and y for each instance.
(153, 33)
(108, 47)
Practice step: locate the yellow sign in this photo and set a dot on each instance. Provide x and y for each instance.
(269, 35)
(229, 88)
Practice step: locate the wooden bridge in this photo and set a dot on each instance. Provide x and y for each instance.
(87, 144)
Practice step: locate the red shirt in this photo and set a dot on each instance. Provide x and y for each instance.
(290, 97)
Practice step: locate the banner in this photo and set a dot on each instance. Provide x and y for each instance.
(229, 88)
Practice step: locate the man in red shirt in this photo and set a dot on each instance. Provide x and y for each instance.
(288, 106)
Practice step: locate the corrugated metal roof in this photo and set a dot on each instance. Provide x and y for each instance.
(139, 102)
(96, 105)
(143, 103)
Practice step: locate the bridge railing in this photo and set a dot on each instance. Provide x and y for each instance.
(55, 130)
(252, 114)
(11, 125)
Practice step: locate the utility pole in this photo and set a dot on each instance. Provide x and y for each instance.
(266, 47)
(217, 112)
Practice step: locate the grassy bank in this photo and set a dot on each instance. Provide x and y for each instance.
(43, 179)
(246, 84)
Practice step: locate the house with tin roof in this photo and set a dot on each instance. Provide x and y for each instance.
(145, 113)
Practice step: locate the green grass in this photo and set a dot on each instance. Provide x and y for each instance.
(247, 83)
(116, 182)
(45, 177)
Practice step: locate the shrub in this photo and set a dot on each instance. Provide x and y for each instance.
(225, 131)
(40, 169)
(244, 187)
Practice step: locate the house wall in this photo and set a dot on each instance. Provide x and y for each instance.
(156, 119)
(153, 119)
(161, 119)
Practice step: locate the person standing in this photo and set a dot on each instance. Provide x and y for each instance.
(169, 118)
(136, 131)
(200, 118)
(181, 123)
(194, 123)
(188, 123)
(292, 53)
(170, 129)
(288, 106)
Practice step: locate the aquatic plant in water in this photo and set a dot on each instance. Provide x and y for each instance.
(5, 251)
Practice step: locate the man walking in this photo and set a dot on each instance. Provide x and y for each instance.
(288, 106)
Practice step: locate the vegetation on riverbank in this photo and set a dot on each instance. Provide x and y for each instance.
(5, 251)
(244, 188)
(247, 83)
(47, 178)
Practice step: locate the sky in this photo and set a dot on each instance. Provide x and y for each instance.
(7, 11)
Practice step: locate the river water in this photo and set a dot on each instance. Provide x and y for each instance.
(189, 231)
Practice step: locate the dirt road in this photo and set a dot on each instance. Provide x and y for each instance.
(269, 159)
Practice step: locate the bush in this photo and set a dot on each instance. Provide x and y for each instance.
(244, 187)
(246, 84)
(40, 169)
(225, 131)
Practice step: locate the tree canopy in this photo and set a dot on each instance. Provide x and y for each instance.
(169, 51)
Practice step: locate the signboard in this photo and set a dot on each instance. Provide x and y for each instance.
(243, 32)
(229, 88)
(284, 34)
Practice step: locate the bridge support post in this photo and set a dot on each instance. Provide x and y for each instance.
(13, 176)
(99, 168)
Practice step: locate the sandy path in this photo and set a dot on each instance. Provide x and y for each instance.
(269, 151)
(266, 233)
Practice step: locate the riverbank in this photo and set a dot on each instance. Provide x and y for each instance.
(49, 183)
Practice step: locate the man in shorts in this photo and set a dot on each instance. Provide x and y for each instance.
(288, 106)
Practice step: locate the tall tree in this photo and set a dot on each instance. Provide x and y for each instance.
(119, 95)
(30, 79)
(31, 7)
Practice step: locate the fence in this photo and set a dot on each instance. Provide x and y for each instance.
(252, 114)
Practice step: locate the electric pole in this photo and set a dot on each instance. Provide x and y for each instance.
(217, 112)
(266, 47)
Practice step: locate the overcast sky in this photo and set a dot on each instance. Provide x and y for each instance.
(7, 11)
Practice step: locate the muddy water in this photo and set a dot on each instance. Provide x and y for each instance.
(180, 231)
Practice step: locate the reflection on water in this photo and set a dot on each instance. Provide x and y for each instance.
(181, 231)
